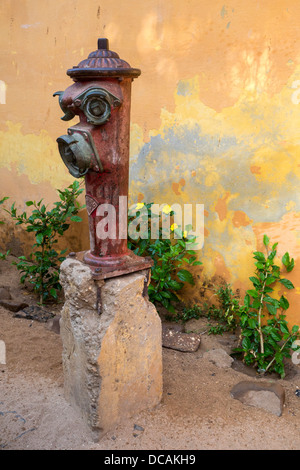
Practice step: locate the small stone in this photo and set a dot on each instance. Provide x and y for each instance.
(138, 428)
(265, 395)
(54, 324)
(13, 305)
(185, 342)
(219, 357)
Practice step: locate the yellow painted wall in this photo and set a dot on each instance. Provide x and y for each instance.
(215, 114)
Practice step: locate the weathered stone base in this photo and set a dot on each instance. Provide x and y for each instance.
(112, 351)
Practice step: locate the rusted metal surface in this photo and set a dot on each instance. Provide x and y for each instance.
(102, 63)
(129, 263)
(98, 148)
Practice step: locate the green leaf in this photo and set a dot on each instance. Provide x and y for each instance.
(253, 293)
(259, 265)
(252, 323)
(29, 203)
(272, 309)
(246, 343)
(275, 335)
(166, 303)
(284, 329)
(266, 240)
(165, 294)
(272, 301)
(288, 284)
(76, 218)
(278, 357)
(256, 304)
(53, 292)
(185, 276)
(247, 300)
(286, 259)
(270, 280)
(272, 255)
(174, 285)
(284, 303)
(259, 256)
(291, 265)
(255, 281)
(39, 238)
(4, 199)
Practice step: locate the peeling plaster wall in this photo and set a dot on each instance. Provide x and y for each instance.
(215, 114)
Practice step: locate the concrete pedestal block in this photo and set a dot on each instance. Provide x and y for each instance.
(112, 346)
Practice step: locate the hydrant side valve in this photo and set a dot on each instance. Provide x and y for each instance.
(78, 152)
(95, 102)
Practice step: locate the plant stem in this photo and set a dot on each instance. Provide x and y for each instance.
(271, 362)
(42, 272)
(262, 349)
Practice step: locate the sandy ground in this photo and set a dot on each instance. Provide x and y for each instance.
(197, 411)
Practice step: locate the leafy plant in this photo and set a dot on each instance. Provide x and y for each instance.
(1, 202)
(3, 255)
(187, 313)
(265, 337)
(171, 256)
(41, 267)
(224, 313)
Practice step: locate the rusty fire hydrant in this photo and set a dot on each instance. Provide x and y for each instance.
(98, 149)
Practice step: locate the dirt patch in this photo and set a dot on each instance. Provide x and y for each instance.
(196, 411)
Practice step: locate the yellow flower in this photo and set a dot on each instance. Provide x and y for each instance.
(167, 209)
(139, 205)
(185, 234)
(174, 226)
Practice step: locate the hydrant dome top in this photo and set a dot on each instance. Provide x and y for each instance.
(102, 63)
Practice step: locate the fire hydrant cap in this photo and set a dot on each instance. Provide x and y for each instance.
(102, 63)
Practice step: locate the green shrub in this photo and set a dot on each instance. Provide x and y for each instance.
(186, 314)
(41, 267)
(265, 337)
(172, 257)
(224, 312)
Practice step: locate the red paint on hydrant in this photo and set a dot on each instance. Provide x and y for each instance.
(97, 148)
